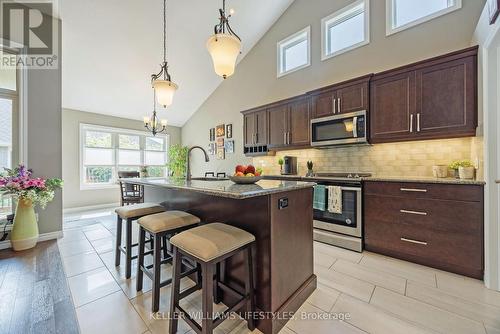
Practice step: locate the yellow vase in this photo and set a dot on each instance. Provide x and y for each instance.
(25, 230)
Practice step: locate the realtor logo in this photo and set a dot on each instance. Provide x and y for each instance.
(29, 27)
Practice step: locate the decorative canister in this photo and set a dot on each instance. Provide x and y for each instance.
(466, 173)
(440, 171)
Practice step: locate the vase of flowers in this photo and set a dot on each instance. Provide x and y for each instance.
(29, 192)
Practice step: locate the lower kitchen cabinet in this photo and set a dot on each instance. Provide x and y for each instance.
(438, 225)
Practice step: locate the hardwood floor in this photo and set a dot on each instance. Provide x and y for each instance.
(34, 293)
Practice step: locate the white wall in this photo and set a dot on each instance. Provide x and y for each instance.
(488, 37)
(73, 197)
(255, 82)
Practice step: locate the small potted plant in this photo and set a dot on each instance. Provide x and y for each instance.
(310, 171)
(281, 162)
(29, 191)
(144, 171)
(463, 169)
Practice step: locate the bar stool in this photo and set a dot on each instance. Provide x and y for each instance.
(161, 226)
(209, 245)
(130, 213)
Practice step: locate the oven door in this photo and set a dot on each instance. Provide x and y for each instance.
(339, 130)
(349, 221)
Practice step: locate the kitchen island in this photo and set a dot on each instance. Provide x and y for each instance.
(280, 216)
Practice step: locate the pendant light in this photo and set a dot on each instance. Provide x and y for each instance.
(162, 82)
(224, 46)
(153, 124)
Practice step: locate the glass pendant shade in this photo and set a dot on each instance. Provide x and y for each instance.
(224, 49)
(164, 91)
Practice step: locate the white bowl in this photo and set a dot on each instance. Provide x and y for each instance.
(245, 179)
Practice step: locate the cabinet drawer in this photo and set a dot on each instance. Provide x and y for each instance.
(457, 192)
(458, 252)
(436, 215)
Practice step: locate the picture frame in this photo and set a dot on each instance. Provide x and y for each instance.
(211, 149)
(220, 130)
(493, 10)
(220, 149)
(229, 146)
(212, 134)
(220, 154)
(229, 131)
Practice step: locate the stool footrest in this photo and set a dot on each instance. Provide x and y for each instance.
(187, 318)
(242, 302)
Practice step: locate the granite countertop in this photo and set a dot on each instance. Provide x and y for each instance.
(382, 178)
(225, 188)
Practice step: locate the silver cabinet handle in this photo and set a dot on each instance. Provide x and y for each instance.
(418, 122)
(414, 241)
(288, 138)
(414, 190)
(419, 213)
(284, 137)
(411, 123)
(340, 106)
(334, 105)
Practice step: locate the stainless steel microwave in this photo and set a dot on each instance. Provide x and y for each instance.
(340, 129)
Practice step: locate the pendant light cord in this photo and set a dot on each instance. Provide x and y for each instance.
(164, 31)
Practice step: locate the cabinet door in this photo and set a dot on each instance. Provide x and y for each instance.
(392, 108)
(277, 125)
(446, 99)
(249, 125)
(261, 128)
(299, 123)
(323, 104)
(352, 98)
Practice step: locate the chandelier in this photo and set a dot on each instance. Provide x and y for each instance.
(153, 124)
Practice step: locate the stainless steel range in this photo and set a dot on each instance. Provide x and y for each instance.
(341, 225)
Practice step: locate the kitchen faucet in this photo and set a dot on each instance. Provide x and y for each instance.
(188, 169)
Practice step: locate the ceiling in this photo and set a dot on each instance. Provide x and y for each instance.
(111, 47)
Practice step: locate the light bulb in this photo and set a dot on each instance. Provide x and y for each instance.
(163, 122)
(231, 11)
(146, 119)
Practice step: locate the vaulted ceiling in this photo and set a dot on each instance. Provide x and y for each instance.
(111, 47)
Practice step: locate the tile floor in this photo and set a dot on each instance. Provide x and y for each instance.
(357, 293)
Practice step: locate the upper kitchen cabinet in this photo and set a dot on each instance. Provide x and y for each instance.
(255, 127)
(432, 99)
(289, 123)
(345, 97)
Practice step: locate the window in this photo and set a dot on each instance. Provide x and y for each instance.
(345, 30)
(8, 126)
(107, 151)
(403, 14)
(294, 52)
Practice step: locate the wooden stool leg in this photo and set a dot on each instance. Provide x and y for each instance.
(165, 247)
(128, 250)
(176, 287)
(249, 289)
(207, 298)
(217, 297)
(118, 241)
(140, 259)
(156, 273)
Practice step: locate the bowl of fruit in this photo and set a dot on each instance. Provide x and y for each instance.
(246, 174)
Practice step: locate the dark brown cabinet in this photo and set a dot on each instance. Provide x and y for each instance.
(255, 128)
(433, 99)
(341, 98)
(289, 123)
(438, 225)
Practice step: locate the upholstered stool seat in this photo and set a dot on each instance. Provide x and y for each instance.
(161, 226)
(209, 246)
(138, 210)
(130, 213)
(210, 241)
(169, 220)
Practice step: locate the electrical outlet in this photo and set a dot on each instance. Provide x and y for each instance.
(476, 163)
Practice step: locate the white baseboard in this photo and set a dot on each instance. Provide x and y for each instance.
(91, 207)
(42, 237)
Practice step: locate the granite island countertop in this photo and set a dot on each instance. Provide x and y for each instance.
(224, 188)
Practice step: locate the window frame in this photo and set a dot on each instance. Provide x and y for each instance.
(290, 40)
(390, 17)
(115, 167)
(325, 24)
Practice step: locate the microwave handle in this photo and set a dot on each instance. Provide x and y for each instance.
(355, 127)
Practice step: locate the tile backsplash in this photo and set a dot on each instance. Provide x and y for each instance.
(392, 159)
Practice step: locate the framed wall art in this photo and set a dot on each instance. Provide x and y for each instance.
(220, 130)
(229, 131)
(212, 134)
(229, 146)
